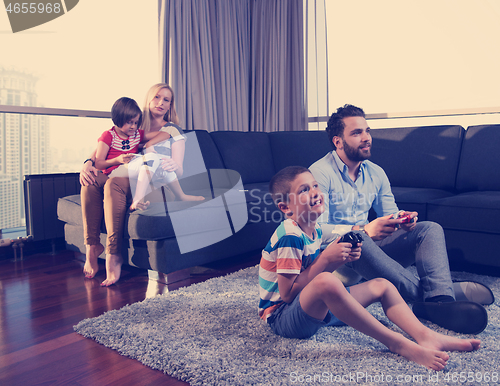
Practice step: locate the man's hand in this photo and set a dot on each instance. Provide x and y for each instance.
(382, 227)
(88, 174)
(411, 225)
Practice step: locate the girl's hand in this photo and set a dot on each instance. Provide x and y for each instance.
(169, 165)
(88, 174)
(125, 158)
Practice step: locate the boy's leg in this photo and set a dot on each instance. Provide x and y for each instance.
(92, 212)
(400, 314)
(326, 292)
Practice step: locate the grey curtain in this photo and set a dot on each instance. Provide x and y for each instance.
(235, 64)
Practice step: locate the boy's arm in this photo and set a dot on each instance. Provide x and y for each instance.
(329, 260)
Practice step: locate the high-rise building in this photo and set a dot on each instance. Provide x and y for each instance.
(24, 144)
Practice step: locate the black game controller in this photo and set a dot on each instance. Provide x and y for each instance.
(353, 238)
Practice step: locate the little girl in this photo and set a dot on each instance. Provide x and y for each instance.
(117, 153)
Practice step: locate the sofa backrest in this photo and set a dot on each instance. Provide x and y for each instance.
(301, 148)
(419, 156)
(249, 153)
(479, 159)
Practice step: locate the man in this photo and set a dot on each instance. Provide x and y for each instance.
(352, 186)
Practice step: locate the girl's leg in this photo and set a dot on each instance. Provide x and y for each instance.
(179, 193)
(400, 314)
(116, 197)
(92, 210)
(143, 181)
(326, 292)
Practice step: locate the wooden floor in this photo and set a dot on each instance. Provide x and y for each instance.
(43, 296)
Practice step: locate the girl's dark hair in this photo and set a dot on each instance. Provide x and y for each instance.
(335, 126)
(125, 109)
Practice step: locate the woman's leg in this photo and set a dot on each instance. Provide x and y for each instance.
(92, 211)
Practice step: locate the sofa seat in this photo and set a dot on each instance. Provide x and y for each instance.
(471, 211)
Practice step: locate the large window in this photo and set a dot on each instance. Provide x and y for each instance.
(393, 56)
(83, 60)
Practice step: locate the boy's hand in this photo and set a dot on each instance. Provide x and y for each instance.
(339, 253)
(355, 253)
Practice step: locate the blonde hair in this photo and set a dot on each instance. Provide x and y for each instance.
(170, 115)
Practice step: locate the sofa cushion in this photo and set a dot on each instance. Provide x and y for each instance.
(301, 148)
(479, 156)
(471, 211)
(247, 153)
(409, 163)
(416, 199)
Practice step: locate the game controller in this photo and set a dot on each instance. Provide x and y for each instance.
(351, 237)
(406, 219)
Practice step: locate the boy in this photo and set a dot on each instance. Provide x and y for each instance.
(299, 294)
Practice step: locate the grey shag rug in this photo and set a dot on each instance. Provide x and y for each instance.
(210, 334)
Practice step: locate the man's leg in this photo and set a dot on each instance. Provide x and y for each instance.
(389, 258)
(426, 247)
(375, 263)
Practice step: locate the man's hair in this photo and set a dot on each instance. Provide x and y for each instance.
(335, 126)
(280, 184)
(125, 109)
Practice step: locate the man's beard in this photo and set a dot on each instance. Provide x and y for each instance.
(355, 154)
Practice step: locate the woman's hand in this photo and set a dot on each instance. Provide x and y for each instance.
(88, 174)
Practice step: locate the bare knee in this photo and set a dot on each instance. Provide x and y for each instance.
(380, 286)
(328, 284)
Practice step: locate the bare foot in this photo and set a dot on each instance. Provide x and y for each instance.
(436, 341)
(91, 266)
(432, 359)
(187, 197)
(139, 205)
(113, 270)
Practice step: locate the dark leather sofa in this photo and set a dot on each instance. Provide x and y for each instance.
(446, 173)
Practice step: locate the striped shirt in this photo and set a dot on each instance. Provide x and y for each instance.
(119, 145)
(290, 251)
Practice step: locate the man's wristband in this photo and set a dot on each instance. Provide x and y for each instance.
(91, 160)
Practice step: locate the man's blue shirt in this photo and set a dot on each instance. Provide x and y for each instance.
(348, 202)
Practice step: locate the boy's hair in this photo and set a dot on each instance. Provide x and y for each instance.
(280, 184)
(125, 109)
(335, 126)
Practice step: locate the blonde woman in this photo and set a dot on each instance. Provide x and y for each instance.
(112, 196)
